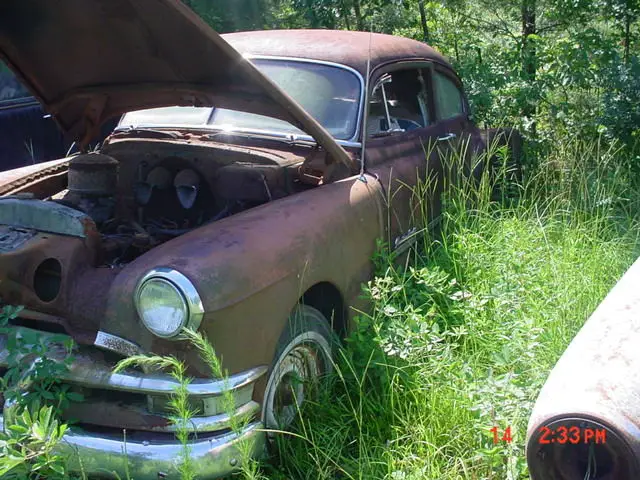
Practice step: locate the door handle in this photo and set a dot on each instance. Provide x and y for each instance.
(448, 136)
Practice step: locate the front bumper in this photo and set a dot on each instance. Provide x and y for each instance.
(124, 426)
(110, 455)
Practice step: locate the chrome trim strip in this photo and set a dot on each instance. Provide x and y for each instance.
(215, 423)
(116, 344)
(16, 105)
(157, 384)
(350, 144)
(212, 457)
(406, 240)
(185, 287)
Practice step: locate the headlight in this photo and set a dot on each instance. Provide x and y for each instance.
(167, 302)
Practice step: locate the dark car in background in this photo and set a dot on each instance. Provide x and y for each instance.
(27, 134)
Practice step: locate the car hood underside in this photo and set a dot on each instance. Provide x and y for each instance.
(90, 60)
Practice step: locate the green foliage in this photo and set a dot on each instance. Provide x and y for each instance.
(621, 114)
(27, 446)
(33, 375)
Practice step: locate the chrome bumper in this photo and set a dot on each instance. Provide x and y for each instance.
(152, 452)
(100, 454)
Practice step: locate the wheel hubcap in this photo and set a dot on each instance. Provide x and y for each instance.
(293, 377)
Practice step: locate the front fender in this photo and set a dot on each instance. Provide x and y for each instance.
(250, 269)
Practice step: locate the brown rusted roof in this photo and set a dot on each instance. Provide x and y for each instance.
(340, 46)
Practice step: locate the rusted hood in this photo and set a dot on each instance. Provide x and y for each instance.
(89, 60)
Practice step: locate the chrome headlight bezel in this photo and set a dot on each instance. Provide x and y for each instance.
(184, 287)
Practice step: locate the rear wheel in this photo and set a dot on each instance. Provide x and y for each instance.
(303, 357)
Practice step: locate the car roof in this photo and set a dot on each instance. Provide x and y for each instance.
(345, 47)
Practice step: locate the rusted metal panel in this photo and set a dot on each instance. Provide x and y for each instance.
(79, 279)
(345, 47)
(48, 217)
(22, 178)
(246, 305)
(593, 387)
(12, 238)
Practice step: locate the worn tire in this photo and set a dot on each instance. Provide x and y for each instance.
(303, 356)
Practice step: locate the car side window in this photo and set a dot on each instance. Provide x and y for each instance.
(448, 97)
(10, 88)
(398, 103)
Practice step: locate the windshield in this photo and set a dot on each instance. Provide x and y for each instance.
(329, 94)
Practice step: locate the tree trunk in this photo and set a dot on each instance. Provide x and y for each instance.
(529, 61)
(423, 22)
(359, 19)
(529, 57)
(627, 36)
(344, 13)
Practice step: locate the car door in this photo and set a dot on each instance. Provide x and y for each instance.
(460, 139)
(401, 135)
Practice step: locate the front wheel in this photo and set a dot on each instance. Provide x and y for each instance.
(303, 357)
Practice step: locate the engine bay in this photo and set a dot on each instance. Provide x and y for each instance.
(138, 205)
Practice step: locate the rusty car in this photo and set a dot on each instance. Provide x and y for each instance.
(241, 195)
(585, 422)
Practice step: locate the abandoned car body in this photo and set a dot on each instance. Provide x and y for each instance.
(592, 395)
(234, 198)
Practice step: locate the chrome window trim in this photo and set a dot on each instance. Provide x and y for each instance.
(20, 102)
(350, 142)
(184, 286)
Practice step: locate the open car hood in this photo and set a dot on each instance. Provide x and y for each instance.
(89, 60)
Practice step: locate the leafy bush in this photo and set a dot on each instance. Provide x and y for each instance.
(33, 376)
(621, 115)
(27, 446)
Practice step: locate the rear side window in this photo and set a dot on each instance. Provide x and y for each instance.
(10, 88)
(449, 99)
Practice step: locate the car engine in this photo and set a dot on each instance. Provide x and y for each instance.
(169, 201)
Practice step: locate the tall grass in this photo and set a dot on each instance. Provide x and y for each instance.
(461, 340)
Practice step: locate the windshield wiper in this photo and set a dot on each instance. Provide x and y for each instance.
(288, 138)
(147, 132)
